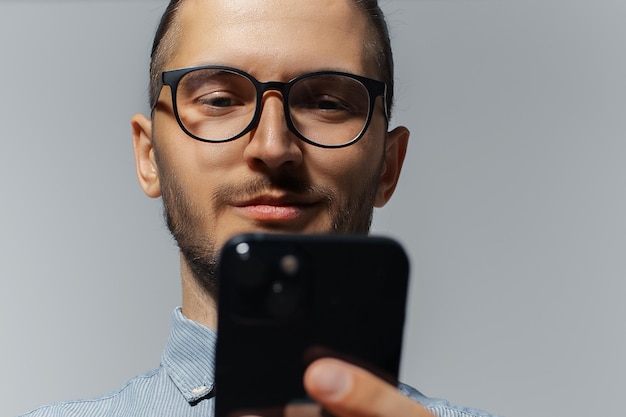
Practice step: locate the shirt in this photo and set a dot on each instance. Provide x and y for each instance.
(183, 384)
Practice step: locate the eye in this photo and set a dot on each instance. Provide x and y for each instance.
(330, 96)
(215, 92)
(327, 102)
(321, 102)
(218, 100)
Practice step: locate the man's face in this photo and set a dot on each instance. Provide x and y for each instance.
(268, 180)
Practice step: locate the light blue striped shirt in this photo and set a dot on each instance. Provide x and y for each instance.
(183, 385)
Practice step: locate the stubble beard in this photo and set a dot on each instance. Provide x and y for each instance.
(185, 221)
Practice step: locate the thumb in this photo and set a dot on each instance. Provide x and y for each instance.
(348, 391)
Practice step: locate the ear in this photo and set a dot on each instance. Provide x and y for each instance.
(395, 151)
(145, 163)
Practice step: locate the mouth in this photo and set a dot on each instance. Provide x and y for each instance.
(281, 208)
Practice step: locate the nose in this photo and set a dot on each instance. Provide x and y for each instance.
(271, 144)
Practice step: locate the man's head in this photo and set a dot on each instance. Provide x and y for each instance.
(268, 179)
(378, 44)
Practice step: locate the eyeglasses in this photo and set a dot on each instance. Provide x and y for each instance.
(328, 109)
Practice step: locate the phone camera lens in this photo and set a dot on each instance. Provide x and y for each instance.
(277, 287)
(243, 249)
(289, 264)
(283, 299)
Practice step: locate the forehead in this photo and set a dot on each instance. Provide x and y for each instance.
(277, 38)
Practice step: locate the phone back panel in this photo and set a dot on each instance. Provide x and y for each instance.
(286, 300)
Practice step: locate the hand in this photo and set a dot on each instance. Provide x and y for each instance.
(348, 391)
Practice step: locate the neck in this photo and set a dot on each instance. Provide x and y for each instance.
(198, 305)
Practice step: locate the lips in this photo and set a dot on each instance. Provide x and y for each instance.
(276, 208)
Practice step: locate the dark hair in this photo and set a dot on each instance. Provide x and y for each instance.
(379, 45)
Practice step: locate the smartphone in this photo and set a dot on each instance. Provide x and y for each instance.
(286, 300)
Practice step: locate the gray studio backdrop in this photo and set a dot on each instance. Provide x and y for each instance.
(512, 205)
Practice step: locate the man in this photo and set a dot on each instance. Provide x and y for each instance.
(227, 157)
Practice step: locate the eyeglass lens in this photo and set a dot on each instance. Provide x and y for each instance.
(217, 105)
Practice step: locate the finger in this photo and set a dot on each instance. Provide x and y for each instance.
(302, 410)
(348, 391)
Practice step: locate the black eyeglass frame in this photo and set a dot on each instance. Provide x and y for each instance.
(375, 88)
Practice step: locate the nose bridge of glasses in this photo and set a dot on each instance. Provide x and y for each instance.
(264, 87)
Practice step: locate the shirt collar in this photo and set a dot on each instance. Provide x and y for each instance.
(189, 357)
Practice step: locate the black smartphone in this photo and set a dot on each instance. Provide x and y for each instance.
(286, 300)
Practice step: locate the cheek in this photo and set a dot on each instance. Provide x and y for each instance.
(347, 168)
(190, 158)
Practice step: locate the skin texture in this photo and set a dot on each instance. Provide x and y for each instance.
(269, 180)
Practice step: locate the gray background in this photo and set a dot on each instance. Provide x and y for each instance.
(512, 203)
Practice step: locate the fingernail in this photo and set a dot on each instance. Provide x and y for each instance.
(331, 380)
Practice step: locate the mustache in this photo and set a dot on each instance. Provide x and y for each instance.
(285, 183)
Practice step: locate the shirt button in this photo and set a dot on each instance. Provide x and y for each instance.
(199, 391)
